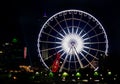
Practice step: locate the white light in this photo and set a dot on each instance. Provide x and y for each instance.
(84, 80)
(1, 52)
(96, 80)
(6, 43)
(63, 79)
(73, 80)
(87, 74)
(72, 74)
(114, 78)
(72, 40)
(37, 73)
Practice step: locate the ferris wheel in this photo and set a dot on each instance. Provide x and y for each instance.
(71, 40)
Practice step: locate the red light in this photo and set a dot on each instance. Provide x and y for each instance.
(25, 52)
(56, 63)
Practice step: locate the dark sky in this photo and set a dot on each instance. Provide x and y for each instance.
(24, 19)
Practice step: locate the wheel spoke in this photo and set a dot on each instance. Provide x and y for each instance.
(75, 62)
(60, 26)
(50, 42)
(94, 49)
(62, 54)
(56, 30)
(78, 25)
(60, 50)
(69, 62)
(94, 43)
(89, 31)
(49, 56)
(52, 36)
(66, 24)
(87, 60)
(81, 65)
(52, 55)
(90, 54)
(51, 48)
(84, 27)
(72, 23)
(64, 62)
(93, 36)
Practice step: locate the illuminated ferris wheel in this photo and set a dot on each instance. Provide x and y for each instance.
(70, 40)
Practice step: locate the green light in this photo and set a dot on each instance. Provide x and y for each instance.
(41, 73)
(96, 73)
(64, 74)
(109, 73)
(33, 77)
(51, 74)
(14, 40)
(78, 74)
(9, 75)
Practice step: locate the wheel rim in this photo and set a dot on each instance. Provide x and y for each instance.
(77, 36)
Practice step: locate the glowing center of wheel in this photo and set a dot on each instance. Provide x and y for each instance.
(72, 43)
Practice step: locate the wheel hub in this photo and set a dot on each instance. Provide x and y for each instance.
(72, 42)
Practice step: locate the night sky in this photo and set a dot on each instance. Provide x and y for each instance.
(24, 19)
